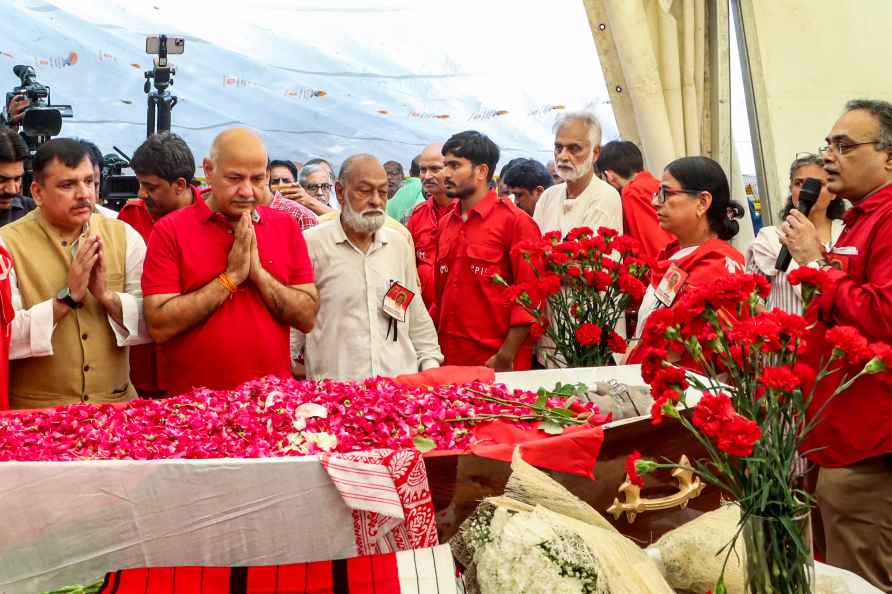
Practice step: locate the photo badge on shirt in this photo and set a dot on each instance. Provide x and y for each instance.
(670, 285)
(397, 300)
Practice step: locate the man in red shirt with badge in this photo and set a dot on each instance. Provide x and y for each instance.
(225, 279)
(476, 323)
(853, 440)
(423, 221)
(621, 165)
(164, 167)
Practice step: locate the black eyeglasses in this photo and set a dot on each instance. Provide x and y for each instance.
(841, 148)
(661, 195)
(314, 188)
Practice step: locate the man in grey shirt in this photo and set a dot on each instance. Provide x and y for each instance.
(13, 152)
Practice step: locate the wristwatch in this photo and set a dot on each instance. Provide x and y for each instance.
(65, 297)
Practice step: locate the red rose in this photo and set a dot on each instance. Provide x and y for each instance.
(779, 378)
(634, 477)
(616, 343)
(574, 271)
(738, 436)
(712, 413)
(588, 334)
(847, 342)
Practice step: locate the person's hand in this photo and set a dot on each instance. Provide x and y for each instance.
(16, 109)
(801, 238)
(97, 284)
(500, 362)
(256, 265)
(297, 193)
(80, 271)
(239, 265)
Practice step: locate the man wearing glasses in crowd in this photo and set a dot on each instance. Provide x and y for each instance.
(316, 179)
(853, 441)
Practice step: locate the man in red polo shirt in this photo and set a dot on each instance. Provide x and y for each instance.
(225, 279)
(423, 221)
(476, 323)
(621, 165)
(164, 167)
(853, 440)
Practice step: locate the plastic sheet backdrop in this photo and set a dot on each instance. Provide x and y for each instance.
(317, 79)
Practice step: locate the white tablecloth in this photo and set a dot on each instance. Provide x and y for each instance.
(70, 522)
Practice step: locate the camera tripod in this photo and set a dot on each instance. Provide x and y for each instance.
(160, 100)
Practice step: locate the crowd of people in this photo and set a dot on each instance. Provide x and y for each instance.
(277, 267)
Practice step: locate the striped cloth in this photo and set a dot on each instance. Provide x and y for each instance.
(423, 571)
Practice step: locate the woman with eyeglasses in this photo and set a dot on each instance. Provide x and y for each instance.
(826, 215)
(694, 205)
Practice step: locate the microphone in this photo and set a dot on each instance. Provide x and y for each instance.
(808, 196)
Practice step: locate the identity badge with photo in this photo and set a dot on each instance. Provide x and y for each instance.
(397, 300)
(670, 286)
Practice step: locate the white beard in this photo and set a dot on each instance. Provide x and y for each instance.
(576, 173)
(367, 221)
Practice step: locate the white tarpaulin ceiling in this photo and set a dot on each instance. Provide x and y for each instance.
(317, 78)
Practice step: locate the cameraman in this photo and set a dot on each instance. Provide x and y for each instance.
(13, 153)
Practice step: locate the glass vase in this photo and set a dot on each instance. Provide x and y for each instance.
(779, 555)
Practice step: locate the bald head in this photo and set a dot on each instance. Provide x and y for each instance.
(362, 191)
(236, 172)
(431, 169)
(239, 144)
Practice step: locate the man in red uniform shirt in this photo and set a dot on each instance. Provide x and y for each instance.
(476, 323)
(225, 279)
(423, 221)
(622, 166)
(853, 441)
(7, 313)
(164, 167)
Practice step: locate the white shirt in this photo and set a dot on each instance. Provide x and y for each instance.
(351, 338)
(762, 256)
(649, 303)
(106, 212)
(32, 329)
(599, 205)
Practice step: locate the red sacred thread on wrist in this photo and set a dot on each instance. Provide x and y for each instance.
(227, 283)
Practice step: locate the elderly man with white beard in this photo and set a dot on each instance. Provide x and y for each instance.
(372, 320)
(583, 200)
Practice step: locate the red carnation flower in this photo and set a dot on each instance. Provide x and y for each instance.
(779, 378)
(574, 271)
(607, 232)
(634, 477)
(552, 237)
(588, 334)
(537, 330)
(550, 284)
(631, 286)
(578, 232)
(599, 279)
(848, 342)
(616, 343)
(813, 277)
(738, 436)
(558, 258)
(881, 361)
(652, 362)
(712, 413)
(669, 378)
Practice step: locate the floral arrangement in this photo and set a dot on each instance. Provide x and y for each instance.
(751, 418)
(588, 280)
(285, 417)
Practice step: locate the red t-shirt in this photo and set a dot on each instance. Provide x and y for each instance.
(639, 217)
(858, 424)
(7, 313)
(143, 364)
(472, 313)
(241, 340)
(422, 224)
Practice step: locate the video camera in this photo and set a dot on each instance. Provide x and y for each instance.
(42, 120)
(117, 188)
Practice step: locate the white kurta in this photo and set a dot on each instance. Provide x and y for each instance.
(352, 338)
(599, 205)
